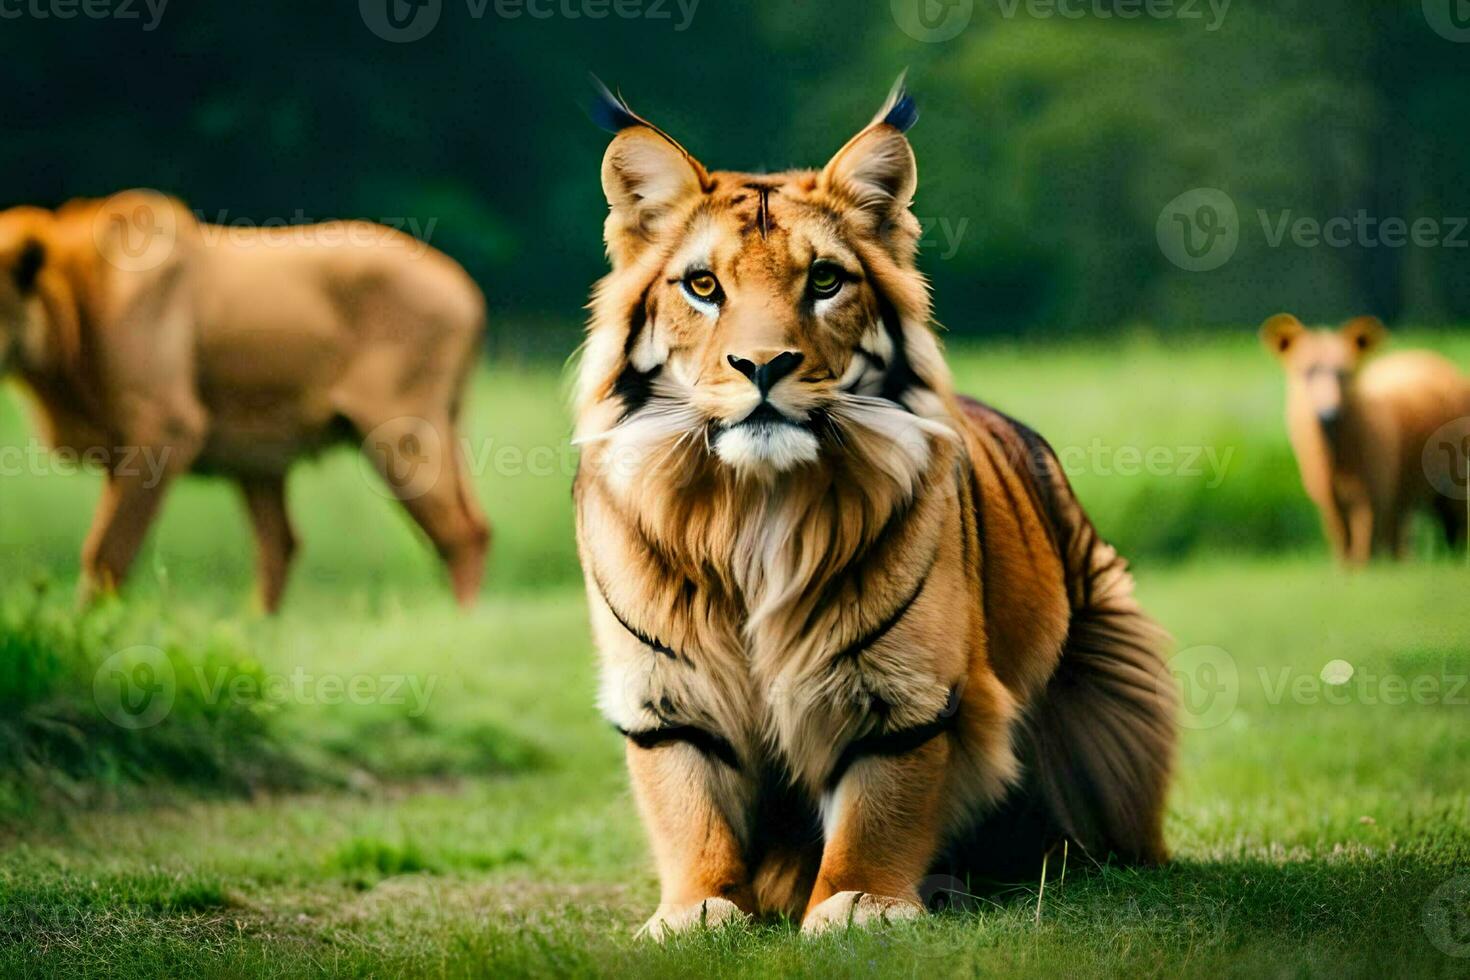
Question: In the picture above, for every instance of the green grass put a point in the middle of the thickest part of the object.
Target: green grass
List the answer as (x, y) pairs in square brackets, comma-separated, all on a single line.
[(483, 825)]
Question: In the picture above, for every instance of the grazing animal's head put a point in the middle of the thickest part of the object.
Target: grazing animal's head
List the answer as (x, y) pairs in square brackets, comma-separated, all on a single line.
[(762, 324), (22, 259), (1321, 364)]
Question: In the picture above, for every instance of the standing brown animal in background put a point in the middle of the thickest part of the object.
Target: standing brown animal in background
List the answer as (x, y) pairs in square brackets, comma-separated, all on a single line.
[(857, 630), (144, 334), (1360, 431)]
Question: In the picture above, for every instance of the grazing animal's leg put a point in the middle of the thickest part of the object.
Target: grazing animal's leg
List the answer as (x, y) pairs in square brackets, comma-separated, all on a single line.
[(426, 472), (1334, 526), (1388, 528), (1360, 531), (1453, 519), (473, 517), (701, 865), (884, 822), (275, 544), (124, 514), (119, 525), (133, 493)]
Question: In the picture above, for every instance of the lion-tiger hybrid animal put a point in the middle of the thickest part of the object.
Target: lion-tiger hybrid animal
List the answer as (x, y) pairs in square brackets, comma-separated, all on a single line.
[(144, 334), (1359, 427), (857, 630)]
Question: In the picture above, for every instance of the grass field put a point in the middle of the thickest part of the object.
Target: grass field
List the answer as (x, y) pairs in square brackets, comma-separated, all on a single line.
[(374, 784)]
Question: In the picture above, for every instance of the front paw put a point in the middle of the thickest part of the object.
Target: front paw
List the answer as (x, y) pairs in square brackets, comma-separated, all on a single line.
[(711, 913), (858, 909)]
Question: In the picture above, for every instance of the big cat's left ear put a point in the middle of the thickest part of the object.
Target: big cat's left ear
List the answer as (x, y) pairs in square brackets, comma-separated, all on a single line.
[(876, 170), (646, 176)]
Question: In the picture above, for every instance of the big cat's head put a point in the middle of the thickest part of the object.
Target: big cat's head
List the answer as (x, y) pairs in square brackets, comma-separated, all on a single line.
[(762, 322)]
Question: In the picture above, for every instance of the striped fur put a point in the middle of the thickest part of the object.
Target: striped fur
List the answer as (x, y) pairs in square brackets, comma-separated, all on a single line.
[(851, 623)]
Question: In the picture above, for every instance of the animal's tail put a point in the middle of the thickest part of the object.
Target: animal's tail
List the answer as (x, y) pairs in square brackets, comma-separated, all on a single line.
[(1098, 746)]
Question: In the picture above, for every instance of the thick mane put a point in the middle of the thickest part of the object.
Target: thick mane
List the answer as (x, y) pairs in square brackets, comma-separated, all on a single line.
[(64, 282)]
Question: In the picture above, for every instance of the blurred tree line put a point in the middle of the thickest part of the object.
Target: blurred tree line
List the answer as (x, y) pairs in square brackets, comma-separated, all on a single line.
[(1047, 144)]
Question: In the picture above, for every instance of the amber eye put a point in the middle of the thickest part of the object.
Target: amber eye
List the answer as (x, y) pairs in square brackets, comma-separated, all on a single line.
[(703, 285), (825, 280)]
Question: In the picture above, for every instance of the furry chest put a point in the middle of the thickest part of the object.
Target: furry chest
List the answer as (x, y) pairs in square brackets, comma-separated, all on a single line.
[(798, 709)]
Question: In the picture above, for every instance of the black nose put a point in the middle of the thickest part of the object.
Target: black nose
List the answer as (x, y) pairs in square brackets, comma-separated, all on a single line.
[(766, 375), (1328, 418)]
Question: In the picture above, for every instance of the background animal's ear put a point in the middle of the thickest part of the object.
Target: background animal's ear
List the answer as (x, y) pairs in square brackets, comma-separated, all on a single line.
[(876, 170), (1280, 332), (646, 175), (26, 265), (1364, 333)]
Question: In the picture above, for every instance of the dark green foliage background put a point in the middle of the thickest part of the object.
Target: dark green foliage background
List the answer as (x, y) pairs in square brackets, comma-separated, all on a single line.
[(1050, 144)]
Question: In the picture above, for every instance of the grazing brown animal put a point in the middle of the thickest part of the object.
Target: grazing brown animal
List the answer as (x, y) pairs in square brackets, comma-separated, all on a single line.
[(146, 335), (1360, 429), (856, 629)]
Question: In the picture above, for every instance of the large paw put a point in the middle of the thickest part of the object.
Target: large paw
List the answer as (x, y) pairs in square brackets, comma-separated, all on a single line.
[(670, 920), (858, 909)]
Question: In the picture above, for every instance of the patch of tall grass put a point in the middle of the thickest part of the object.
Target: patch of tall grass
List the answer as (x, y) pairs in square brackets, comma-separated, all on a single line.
[(125, 700)]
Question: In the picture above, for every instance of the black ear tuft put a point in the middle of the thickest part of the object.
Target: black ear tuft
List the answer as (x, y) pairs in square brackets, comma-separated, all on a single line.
[(28, 264), (609, 111), (904, 112)]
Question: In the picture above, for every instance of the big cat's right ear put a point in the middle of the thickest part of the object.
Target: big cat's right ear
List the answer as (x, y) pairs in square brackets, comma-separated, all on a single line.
[(876, 170), (646, 176), (1280, 332)]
